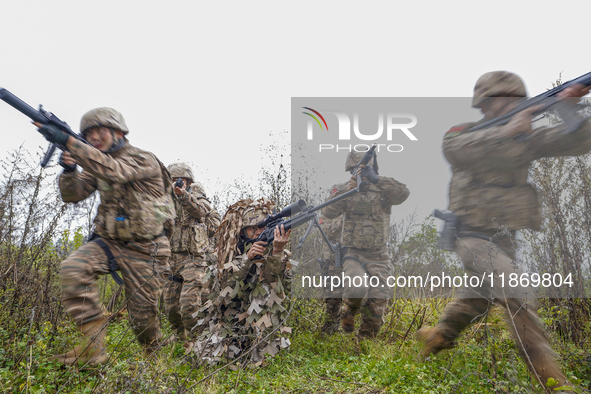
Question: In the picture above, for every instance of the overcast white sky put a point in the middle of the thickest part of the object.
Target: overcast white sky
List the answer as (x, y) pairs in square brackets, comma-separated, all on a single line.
[(206, 82)]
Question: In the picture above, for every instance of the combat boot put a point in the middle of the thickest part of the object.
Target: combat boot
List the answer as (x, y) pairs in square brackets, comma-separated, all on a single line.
[(333, 316), (546, 367), (372, 319), (554, 372), (433, 340), (91, 350), (348, 322), (367, 331)]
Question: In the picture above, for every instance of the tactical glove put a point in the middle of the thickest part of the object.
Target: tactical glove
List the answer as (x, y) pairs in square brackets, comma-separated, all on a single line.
[(369, 173), (67, 167), (53, 134)]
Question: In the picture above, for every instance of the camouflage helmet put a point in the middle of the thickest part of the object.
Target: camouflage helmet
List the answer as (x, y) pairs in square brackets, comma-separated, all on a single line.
[(242, 214), (497, 84), (103, 117), (252, 216), (181, 170), (353, 158)]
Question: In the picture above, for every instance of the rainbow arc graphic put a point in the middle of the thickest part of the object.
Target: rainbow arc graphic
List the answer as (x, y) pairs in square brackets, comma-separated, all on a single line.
[(315, 118)]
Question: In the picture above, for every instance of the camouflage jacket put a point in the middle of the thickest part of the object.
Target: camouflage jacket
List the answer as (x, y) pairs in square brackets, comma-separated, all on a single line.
[(366, 215), (195, 225), (135, 191), (489, 183), (247, 307), (332, 227)]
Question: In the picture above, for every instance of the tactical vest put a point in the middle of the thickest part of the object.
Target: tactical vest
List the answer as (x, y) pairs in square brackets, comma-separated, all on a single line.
[(366, 222), (485, 196), (190, 234), (131, 212)]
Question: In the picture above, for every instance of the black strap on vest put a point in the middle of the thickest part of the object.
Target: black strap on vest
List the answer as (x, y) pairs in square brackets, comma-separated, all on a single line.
[(176, 279), (112, 262)]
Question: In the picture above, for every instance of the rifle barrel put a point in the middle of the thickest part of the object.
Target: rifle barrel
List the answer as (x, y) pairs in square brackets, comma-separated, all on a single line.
[(539, 99), (21, 106)]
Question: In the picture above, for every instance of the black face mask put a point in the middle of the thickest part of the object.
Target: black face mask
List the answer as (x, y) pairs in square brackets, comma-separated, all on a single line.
[(117, 146)]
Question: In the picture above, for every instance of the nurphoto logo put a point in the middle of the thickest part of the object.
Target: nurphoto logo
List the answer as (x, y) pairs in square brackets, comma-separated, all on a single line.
[(394, 124)]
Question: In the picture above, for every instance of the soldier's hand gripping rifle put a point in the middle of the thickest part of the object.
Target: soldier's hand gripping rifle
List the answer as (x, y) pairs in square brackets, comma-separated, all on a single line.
[(44, 117), (548, 101), (307, 213), (371, 173)]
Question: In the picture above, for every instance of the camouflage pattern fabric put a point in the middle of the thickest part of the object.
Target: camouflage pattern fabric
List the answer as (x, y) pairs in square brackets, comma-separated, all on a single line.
[(497, 83), (481, 257), (210, 222), (370, 300), (103, 117), (135, 190), (489, 190), (142, 266), (247, 308), (182, 300), (190, 234), (365, 230), (333, 299), (136, 208), (489, 182), (191, 241), (367, 214), (183, 170)]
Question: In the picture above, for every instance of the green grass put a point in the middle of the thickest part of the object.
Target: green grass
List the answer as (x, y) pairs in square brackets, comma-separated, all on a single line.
[(484, 362)]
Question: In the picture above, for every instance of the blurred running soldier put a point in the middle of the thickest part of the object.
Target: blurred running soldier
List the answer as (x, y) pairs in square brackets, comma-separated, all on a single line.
[(488, 191)]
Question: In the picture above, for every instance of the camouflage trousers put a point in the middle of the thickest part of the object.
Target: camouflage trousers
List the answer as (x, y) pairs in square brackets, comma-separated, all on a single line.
[(364, 278), (182, 300), (332, 298), (142, 266), (482, 257)]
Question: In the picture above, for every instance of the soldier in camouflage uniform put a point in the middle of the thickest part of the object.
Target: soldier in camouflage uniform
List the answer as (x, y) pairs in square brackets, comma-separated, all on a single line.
[(135, 212), (249, 286), (365, 230), (195, 226), (488, 191), (333, 299)]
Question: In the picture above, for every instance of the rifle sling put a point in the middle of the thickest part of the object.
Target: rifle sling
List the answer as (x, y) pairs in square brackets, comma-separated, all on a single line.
[(112, 262)]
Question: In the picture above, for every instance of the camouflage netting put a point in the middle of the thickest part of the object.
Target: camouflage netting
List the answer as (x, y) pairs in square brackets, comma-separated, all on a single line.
[(246, 310)]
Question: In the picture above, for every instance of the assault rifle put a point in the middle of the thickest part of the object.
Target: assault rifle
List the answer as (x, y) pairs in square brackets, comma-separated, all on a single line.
[(549, 102), (41, 116), (307, 213)]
